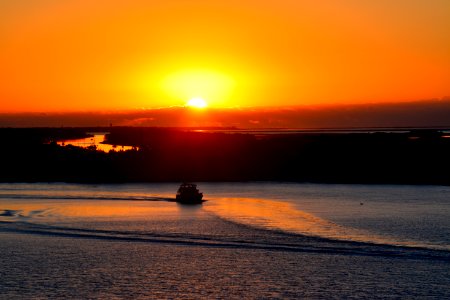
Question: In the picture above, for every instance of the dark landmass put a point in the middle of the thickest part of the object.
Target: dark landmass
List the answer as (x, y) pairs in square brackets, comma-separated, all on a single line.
[(165, 154)]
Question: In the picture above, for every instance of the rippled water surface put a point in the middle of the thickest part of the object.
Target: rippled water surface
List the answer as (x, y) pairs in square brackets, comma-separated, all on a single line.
[(251, 240)]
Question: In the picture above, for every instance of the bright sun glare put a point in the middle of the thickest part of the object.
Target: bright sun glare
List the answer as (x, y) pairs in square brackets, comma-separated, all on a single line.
[(197, 103), (193, 86)]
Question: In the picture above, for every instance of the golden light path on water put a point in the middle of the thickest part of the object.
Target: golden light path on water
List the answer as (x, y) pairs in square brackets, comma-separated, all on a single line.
[(283, 216), (54, 210)]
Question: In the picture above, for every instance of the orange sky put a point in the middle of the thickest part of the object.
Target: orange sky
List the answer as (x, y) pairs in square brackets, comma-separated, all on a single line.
[(83, 55)]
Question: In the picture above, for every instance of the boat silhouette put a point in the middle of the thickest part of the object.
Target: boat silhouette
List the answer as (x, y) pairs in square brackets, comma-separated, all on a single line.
[(188, 193)]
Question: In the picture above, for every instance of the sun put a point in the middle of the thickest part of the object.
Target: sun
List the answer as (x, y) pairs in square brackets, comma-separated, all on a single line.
[(197, 103)]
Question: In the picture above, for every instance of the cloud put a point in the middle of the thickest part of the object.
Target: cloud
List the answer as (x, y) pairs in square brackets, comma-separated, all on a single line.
[(434, 113)]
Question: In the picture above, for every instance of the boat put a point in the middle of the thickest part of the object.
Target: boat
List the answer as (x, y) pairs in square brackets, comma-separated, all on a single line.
[(188, 193)]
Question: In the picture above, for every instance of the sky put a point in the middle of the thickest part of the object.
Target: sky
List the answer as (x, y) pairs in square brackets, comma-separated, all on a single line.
[(114, 55)]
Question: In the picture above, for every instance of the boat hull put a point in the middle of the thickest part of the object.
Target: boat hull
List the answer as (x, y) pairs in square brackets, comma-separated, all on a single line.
[(189, 200)]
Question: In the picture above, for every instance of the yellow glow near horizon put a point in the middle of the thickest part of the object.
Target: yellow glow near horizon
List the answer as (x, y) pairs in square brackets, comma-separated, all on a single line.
[(197, 102), (214, 86)]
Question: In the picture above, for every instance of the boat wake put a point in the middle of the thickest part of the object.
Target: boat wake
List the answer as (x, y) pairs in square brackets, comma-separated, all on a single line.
[(21, 213), (85, 197), (292, 243)]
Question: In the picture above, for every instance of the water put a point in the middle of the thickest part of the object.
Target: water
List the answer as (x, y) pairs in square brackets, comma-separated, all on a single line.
[(97, 140), (249, 240)]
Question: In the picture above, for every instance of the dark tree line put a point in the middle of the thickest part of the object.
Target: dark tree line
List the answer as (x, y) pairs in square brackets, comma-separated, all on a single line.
[(418, 157)]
